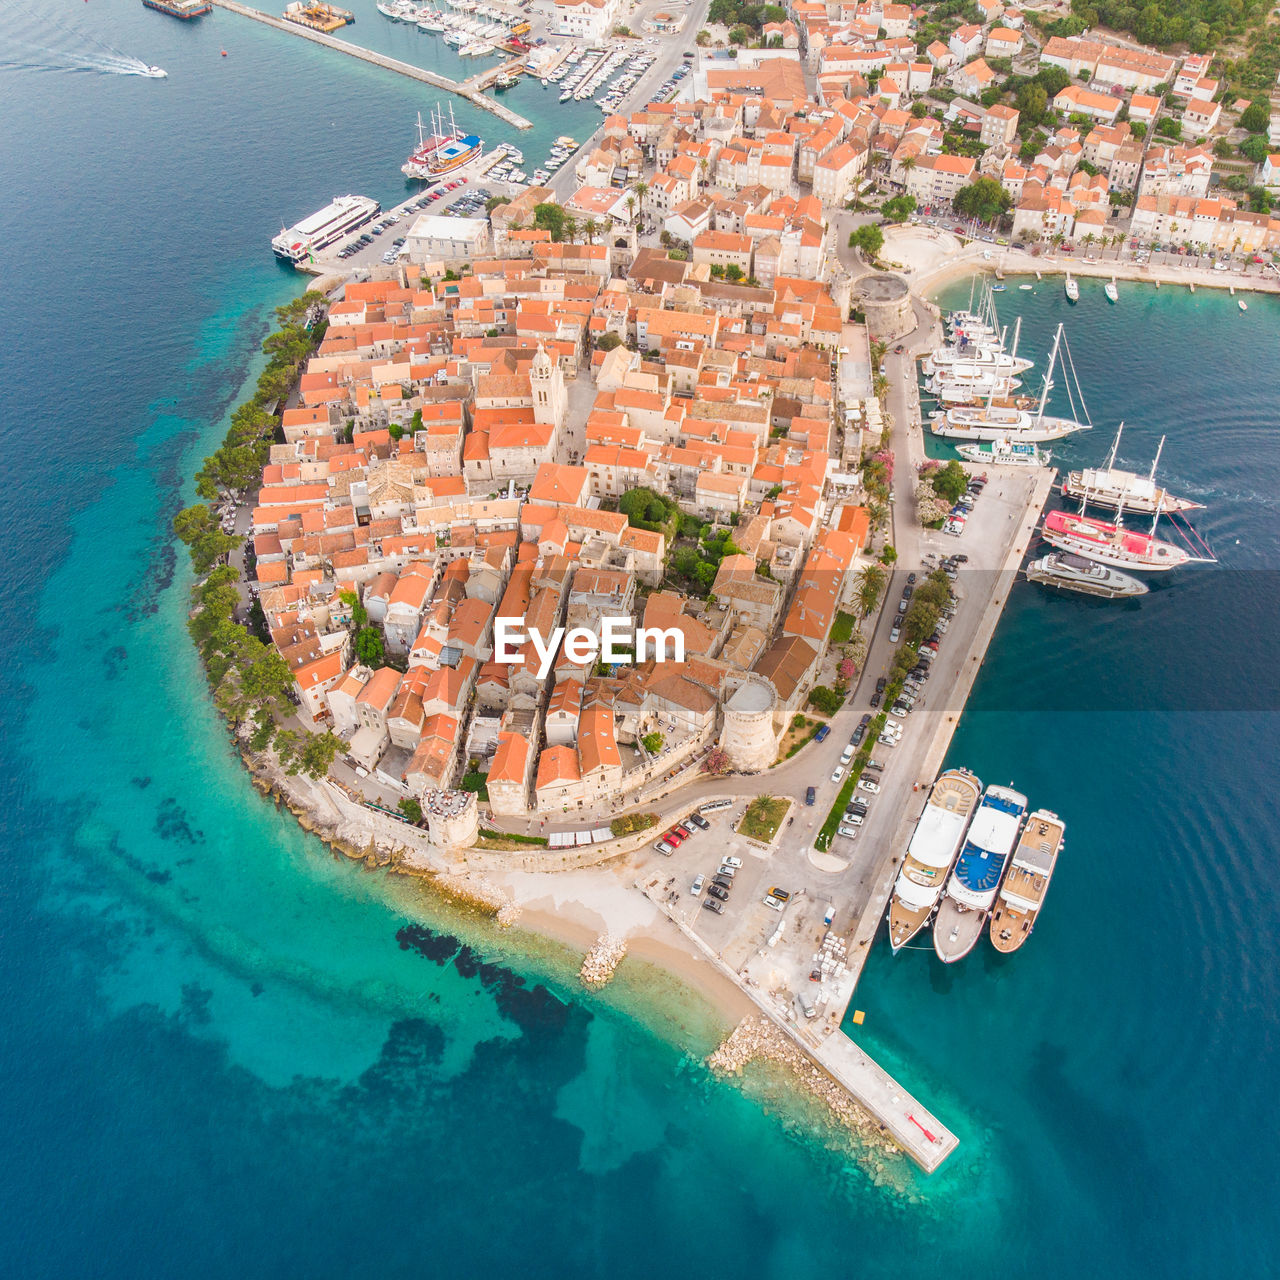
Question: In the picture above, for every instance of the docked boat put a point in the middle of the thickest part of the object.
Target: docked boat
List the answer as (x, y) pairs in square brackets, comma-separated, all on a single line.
[(1072, 289), (972, 887), (441, 149), (1115, 489), (1027, 881), (183, 9), (1110, 289), (1113, 544), (340, 217), (930, 854), (967, 390), (1242, 304), (997, 422), (1005, 453), (1068, 572)]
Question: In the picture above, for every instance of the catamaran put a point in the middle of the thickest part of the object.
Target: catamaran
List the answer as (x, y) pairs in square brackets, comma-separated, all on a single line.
[(1027, 880), (932, 850), (1113, 488), (971, 890)]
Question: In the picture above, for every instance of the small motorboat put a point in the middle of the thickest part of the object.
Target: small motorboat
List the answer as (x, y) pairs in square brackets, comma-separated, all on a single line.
[(1113, 294), (1072, 289), (1242, 304)]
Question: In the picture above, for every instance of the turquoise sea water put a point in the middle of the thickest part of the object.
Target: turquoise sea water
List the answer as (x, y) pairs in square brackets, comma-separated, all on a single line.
[(218, 1056)]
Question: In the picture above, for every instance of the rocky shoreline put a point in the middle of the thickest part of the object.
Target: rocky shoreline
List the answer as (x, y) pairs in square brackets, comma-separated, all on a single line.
[(600, 962), (757, 1039)]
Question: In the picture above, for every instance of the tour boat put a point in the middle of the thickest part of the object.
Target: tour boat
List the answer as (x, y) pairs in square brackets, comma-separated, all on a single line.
[(972, 887), (997, 422), (1113, 544), (1115, 489), (1006, 453), (442, 150), (1113, 293), (1027, 881), (1070, 572), (930, 854)]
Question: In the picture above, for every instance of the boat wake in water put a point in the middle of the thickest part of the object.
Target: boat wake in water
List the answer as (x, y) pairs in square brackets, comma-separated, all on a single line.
[(44, 43)]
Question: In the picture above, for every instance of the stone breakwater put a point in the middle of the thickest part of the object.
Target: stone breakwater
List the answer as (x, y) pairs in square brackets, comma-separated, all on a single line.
[(600, 962), (758, 1039)]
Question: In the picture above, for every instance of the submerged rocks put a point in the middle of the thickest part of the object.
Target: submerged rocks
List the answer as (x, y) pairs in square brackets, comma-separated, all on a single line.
[(759, 1038)]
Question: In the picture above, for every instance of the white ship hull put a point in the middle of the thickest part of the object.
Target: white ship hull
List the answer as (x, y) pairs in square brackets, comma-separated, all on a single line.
[(1158, 561), (1114, 490), (1068, 572), (1028, 430)]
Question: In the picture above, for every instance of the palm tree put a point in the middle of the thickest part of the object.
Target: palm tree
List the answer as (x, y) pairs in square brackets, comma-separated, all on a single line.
[(589, 229), (631, 207), (870, 584), (571, 229)]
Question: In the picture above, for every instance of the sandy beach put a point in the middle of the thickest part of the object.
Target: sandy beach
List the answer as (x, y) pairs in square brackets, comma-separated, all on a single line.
[(932, 258)]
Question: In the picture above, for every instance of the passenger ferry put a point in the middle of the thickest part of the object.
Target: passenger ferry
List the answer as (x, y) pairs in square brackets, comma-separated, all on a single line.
[(338, 218), (973, 885), (933, 848), (1027, 880)]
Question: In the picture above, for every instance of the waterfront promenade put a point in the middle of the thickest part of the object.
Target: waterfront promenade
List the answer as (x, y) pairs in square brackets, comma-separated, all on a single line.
[(468, 89)]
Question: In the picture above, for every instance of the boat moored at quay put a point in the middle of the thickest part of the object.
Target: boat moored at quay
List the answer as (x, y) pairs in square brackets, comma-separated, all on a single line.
[(1113, 544), (972, 887), (183, 9), (1070, 572), (1026, 882), (338, 218), (1114, 489), (930, 854)]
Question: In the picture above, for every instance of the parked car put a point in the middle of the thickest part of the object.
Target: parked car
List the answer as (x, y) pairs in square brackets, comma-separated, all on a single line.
[(699, 821), (696, 887), (731, 861), (810, 795), (723, 881), (837, 773), (726, 870), (674, 836), (770, 901), (664, 848), (867, 785), (849, 833), (895, 634), (854, 819), (781, 894), (710, 904), (717, 892), (821, 735)]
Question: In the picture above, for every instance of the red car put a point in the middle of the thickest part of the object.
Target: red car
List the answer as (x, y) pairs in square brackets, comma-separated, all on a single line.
[(1257, 259), (675, 836)]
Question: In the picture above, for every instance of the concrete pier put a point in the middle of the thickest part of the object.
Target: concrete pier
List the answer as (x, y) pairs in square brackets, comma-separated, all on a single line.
[(462, 89), (911, 1125)]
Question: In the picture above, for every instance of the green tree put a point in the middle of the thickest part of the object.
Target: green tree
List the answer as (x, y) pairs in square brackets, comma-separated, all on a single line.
[(607, 342), (733, 272), (1032, 102), (653, 743), (827, 701), (951, 481), (898, 208), (871, 583), (550, 217), (1256, 116), (410, 809), (1255, 148), (984, 199), (198, 528), (868, 240), (369, 646)]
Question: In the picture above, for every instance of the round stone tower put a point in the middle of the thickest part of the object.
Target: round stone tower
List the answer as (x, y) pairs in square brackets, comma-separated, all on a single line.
[(748, 734), (885, 300)]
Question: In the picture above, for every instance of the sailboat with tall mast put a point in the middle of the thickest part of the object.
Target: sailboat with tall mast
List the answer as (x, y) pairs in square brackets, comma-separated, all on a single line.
[(1113, 488), (999, 422), (1108, 542)]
